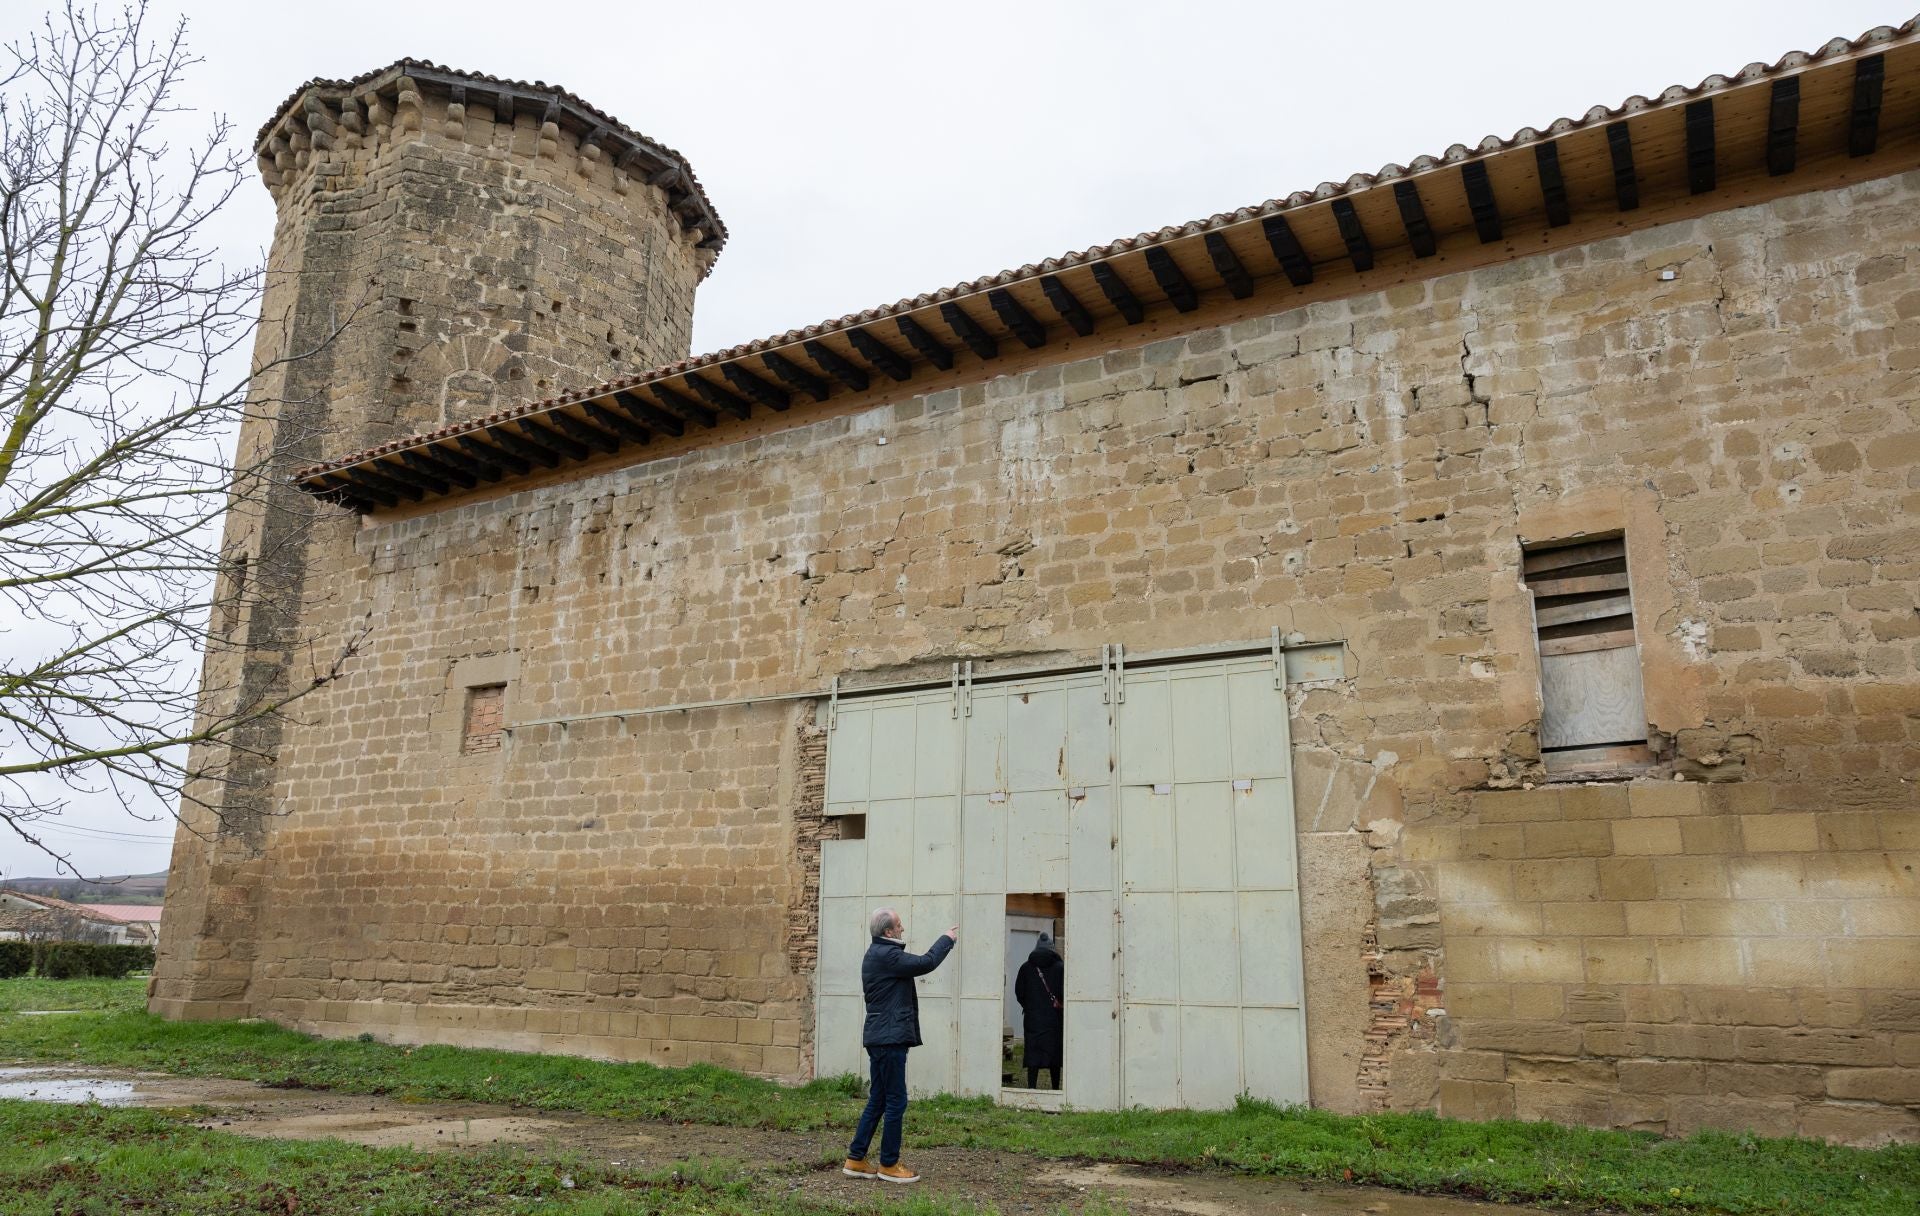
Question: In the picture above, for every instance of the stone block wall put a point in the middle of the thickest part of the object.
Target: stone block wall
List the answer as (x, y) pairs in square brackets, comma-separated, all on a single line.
[(1672, 955), (1365, 470)]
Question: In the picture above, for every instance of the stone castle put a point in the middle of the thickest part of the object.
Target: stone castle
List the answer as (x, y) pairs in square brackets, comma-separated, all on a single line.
[(1452, 635)]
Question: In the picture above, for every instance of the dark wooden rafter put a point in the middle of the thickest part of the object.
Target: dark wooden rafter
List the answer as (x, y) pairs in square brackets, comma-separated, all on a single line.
[(619, 422), (426, 460), (416, 472), (1553, 187), (527, 449), (1293, 259), (1227, 264), (567, 448), (354, 495), (486, 453), (448, 454), (796, 377), (719, 398), (1626, 185), (888, 361), (1783, 125), (1118, 293), (590, 437), (650, 415), (1413, 217), (844, 370), (931, 348), (968, 330), (770, 395), (367, 474), (1353, 233), (683, 406), (1068, 305), (1016, 318), (1699, 126), (1173, 280), (1863, 121), (1486, 212)]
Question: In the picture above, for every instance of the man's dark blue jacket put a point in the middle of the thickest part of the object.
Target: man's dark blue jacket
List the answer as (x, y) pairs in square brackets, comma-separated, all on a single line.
[(893, 1004)]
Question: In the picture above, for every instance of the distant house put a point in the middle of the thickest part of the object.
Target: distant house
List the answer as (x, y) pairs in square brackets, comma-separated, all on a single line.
[(26, 917)]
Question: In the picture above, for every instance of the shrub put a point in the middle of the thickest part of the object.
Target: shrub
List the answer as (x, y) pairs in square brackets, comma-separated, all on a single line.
[(16, 958), (81, 960)]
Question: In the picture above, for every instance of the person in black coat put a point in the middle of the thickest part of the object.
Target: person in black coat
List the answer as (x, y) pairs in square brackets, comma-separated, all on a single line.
[(1040, 986), (892, 1027)]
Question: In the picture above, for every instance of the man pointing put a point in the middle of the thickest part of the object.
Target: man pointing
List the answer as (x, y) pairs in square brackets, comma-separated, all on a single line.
[(893, 1026)]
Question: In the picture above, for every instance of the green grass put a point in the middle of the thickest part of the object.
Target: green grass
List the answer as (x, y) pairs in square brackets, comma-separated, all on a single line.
[(1534, 1162), (66, 1160), (127, 995)]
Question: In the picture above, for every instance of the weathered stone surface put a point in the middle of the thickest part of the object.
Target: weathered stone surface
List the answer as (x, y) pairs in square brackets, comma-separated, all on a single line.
[(1729, 950)]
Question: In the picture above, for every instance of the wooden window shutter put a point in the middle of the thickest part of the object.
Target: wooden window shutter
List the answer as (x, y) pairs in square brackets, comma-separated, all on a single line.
[(1592, 708)]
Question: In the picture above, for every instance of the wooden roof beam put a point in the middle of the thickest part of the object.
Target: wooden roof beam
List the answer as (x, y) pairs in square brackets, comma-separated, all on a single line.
[(1413, 217), (1227, 264), (968, 330), (486, 454), (1015, 317), (446, 454), (1783, 125), (770, 395), (1486, 212), (587, 437), (796, 377), (408, 473), (1068, 305), (1626, 186), (620, 424), (426, 463), (366, 474), (891, 362), (845, 371), (1118, 293), (1172, 280), (1699, 126), (1287, 251), (1354, 234), (719, 398), (683, 406), (650, 415), (529, 450), (340, 485), (1863, 121), (560, 445), (1553, 186), (931, 348)]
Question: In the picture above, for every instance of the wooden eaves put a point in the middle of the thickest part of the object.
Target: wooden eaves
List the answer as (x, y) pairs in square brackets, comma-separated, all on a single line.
[(1848, 112)]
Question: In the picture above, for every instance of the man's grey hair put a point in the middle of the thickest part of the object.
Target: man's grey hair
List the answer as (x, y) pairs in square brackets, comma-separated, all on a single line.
[(882, 920)]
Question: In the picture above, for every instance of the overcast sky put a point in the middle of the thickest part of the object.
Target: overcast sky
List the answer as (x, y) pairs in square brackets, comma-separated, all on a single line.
[(860, 153)]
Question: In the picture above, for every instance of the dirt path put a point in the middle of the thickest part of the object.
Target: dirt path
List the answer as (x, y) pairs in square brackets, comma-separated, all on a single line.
[(807, 1164)]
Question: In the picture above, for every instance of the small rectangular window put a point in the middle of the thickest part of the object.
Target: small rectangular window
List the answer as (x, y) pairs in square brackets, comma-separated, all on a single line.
[(1592, 710), (486, 719)]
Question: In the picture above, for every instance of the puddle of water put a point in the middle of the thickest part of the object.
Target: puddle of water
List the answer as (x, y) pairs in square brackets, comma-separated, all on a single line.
[(31, 1086)]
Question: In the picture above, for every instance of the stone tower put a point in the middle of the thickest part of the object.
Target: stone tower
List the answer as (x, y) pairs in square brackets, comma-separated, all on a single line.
[(447, 244)]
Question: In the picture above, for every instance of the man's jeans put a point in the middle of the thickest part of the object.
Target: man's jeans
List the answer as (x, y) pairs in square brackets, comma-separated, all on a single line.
[(888, 1093)]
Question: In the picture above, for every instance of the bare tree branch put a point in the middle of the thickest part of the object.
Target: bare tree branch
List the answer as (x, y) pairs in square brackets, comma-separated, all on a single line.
[(122, 388)]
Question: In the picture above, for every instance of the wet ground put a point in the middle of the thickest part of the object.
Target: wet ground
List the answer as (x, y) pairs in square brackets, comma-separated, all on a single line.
[(806, 1164)]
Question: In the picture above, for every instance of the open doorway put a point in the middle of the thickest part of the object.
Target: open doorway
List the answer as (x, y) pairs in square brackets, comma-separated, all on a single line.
[(1033, 1022)]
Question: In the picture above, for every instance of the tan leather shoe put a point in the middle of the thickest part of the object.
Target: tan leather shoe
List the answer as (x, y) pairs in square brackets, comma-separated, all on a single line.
[(860, 1167), (898, 1173)]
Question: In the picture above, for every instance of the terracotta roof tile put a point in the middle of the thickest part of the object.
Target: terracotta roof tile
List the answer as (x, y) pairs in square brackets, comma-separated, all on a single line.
[(1596, 116)]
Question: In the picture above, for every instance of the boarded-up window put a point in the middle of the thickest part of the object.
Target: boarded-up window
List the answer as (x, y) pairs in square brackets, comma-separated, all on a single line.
[(1592, 711), (486, 719)]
